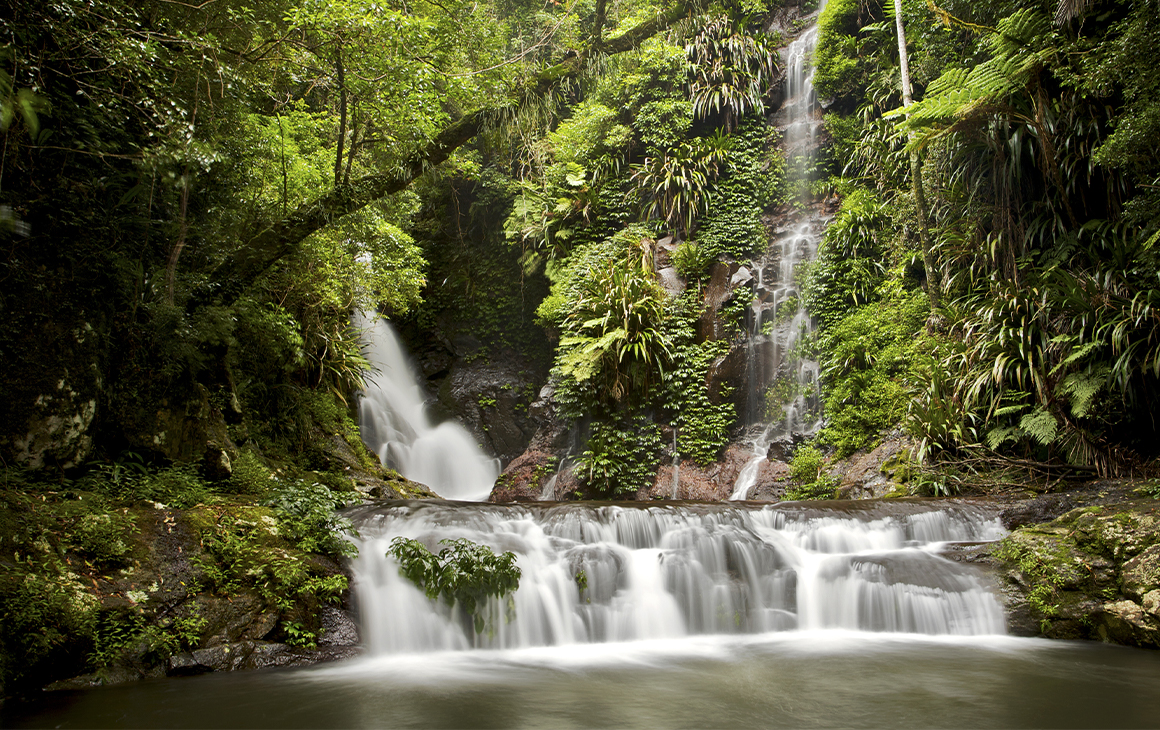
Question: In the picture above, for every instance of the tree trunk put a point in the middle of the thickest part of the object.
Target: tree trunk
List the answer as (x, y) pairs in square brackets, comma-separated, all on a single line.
[(341, 115), (255, 256), (933, 280)]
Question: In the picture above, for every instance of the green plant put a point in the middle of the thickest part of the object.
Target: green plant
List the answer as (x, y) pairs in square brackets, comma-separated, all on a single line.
[(613, 334), (676, 184), (807, 467), (249, 475), (306, 517), (702, 424), (732, 69), (463, 573), (870, 359), (691, 260), (1151, 488), (299, 635), (621, 455)]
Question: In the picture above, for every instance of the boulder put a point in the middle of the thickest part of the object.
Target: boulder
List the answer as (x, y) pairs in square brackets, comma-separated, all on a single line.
[(1126, 622), (1141, 574), (524, 479), (868, 475)]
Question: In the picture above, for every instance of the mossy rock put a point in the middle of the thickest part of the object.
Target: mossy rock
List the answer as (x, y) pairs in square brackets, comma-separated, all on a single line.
[(1120, 536)]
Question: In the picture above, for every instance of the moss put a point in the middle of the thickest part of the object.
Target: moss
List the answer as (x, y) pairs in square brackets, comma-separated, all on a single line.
[(92, 575)]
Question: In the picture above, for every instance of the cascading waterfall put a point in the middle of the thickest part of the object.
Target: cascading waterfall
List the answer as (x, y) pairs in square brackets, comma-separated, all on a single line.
[(600, 573), (394, 424), (778, 321)]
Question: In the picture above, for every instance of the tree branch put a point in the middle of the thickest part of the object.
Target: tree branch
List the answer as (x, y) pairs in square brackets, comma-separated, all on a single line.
[(282, 238)]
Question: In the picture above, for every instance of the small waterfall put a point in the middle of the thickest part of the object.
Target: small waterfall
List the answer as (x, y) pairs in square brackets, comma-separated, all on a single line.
[(598, 573), (778, 321), (394, 424)]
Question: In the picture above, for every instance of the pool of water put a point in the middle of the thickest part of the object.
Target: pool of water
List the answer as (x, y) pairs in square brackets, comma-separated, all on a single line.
[(796, 679)]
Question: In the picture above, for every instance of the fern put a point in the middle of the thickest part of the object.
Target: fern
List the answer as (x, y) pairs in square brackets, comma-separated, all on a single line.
[(1040, 425), (1081, 390)]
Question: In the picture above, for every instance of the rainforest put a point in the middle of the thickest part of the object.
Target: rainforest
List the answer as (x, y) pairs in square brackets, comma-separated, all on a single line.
[(463, 363)]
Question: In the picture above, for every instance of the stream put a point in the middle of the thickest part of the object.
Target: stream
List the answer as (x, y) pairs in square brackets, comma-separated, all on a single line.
[(689, 615)]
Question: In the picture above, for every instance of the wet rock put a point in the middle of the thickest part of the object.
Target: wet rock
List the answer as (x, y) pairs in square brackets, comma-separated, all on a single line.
[(1141, 574), (714, 482), (717, 292), (491, 396), (782, 448), (871, 475), (1126, 622), (523, 480), (727, 378), (184, 665), (773, 480), (338, 628), (1044, 508)]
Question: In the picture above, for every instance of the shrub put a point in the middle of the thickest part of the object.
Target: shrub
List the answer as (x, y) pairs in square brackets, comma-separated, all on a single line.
[(464, 573), (621, 456)]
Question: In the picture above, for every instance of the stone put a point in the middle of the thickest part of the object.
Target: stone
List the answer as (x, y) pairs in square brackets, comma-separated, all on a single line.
[(216, 463), (727, 376), (717, 292), (1120, 536), (52, 380), (864, 475), (671, 281), (338, 628), (524, 478), (773, 480), (1141, 574), (1151, 602), (1125, 622), (741, 277), (183, 665), (1034, 511), (782, 448)]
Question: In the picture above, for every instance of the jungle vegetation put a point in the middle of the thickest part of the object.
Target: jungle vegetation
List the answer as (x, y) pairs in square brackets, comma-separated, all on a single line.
[(194, 197)]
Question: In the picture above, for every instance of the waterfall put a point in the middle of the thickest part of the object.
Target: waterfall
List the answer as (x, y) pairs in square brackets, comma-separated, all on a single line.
[(394, 424), (778, 321), (599, 573)]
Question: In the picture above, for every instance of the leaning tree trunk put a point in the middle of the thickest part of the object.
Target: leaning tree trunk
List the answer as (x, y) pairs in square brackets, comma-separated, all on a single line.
[(267, 247)]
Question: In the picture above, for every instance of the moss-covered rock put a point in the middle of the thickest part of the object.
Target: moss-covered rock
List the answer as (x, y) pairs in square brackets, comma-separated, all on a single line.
[(1090, 573), (102, 581)]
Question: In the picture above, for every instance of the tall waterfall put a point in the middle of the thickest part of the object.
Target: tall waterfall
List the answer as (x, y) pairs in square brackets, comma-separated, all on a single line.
[(394, 424), (599, 573), (778, 321)]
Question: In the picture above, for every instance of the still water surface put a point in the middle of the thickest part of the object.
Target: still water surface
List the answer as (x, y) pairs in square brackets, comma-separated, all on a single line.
[(798, 679)]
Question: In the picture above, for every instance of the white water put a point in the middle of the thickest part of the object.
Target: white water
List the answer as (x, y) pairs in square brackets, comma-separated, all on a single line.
[(394, 424), (773, 356), (678, 571)]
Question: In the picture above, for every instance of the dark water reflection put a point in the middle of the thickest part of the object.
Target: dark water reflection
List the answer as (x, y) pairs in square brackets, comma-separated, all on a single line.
[(822, 679)]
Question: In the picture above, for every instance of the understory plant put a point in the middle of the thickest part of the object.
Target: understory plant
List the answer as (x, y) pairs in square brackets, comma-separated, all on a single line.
[(464, 574)]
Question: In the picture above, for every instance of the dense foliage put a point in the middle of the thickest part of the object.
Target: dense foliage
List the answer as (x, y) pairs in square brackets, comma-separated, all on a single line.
[(464, 573), (1041, 220)]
